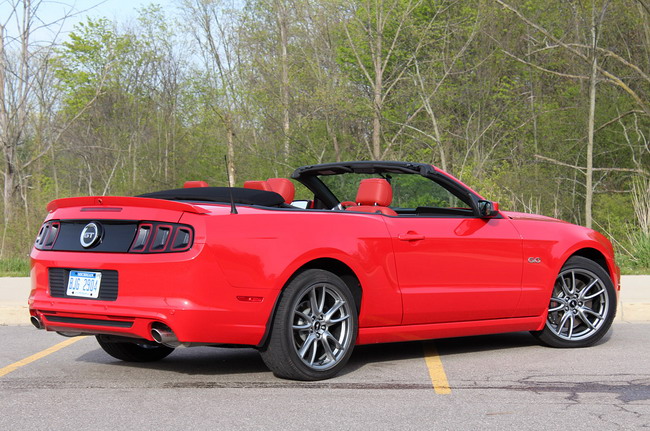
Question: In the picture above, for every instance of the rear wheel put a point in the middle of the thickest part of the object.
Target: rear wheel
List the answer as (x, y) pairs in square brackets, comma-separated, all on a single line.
[(314, 329), (144, 351), (582, 306)]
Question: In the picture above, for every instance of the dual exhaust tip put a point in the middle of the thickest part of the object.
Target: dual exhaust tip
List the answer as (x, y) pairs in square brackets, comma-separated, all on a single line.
[(36, 322), (161, 334)]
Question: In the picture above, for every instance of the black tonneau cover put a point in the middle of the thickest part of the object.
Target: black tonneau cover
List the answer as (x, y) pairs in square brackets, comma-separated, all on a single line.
[(221, 195)]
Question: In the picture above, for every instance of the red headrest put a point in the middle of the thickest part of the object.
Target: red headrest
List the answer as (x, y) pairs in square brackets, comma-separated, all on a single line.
[(257, 185), (374, 191), (192, 184), (283, 187)]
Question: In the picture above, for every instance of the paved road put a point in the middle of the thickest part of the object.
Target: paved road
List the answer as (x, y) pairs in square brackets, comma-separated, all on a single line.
[(497, 382)]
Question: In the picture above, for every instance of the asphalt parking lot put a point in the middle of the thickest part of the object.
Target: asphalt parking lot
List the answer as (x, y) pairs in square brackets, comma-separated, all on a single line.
[(495, 382)]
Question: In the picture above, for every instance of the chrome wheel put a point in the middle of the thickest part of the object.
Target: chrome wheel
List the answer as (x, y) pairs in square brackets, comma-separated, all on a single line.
[(579, 305), (321, 328), (314, 328), (582, 305)]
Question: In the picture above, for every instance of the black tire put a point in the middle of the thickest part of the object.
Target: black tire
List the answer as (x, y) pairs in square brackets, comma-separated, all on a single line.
[(314, 328), (582, 305), (144, 351)]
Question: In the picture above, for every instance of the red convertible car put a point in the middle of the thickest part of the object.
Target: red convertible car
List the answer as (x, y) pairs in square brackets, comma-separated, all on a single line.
[(382, 252)]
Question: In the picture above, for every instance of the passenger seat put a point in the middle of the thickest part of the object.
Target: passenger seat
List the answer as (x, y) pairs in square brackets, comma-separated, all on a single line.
[(374, 196)]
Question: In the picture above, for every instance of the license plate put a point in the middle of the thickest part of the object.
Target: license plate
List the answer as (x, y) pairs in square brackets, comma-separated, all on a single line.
[(84, 284)]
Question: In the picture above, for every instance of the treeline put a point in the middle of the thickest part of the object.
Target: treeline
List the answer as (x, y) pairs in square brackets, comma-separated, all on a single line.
[(542, 105)]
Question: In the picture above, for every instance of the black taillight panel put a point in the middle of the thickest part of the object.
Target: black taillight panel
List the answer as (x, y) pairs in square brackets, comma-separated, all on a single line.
[(117, 236)]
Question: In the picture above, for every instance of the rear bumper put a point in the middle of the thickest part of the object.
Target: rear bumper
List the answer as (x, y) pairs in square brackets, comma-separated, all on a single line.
[(185, 291)]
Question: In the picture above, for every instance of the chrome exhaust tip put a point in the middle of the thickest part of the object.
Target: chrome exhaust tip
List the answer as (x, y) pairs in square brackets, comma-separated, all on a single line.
[(36, 322), (165, 336)]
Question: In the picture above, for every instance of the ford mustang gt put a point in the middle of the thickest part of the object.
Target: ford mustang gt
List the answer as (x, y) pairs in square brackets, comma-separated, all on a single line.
[(381, 252)]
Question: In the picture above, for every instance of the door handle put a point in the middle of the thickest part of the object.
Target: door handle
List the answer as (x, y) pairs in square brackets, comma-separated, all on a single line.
[(410, 236)]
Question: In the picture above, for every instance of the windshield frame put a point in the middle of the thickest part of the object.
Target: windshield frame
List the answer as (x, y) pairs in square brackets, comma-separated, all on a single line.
[(310, 175)]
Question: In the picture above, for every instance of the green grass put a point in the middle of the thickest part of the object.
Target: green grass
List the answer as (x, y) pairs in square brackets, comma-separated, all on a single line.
[(14, 267), (634, 271), (637, 262)]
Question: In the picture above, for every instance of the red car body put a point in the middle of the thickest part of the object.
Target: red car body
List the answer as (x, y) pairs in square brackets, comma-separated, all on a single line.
[(416, 277)]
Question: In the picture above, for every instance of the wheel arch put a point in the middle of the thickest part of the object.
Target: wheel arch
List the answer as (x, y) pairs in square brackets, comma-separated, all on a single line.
[(592, 254), (597, 257), (336, 267)]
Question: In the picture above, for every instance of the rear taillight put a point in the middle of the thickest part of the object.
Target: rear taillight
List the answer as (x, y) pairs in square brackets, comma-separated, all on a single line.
[(47, 235), (154, 237), (118, 237)]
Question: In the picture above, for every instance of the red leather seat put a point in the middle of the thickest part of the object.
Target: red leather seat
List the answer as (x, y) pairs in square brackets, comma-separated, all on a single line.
[(192, 184), (374, 196), (283, 187), (257, 185)]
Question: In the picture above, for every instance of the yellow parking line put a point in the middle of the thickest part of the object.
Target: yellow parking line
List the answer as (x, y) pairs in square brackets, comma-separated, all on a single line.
[(436, 370), (35, 357)]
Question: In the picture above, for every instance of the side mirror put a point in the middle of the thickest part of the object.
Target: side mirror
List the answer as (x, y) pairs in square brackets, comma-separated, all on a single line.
[(488, 209)]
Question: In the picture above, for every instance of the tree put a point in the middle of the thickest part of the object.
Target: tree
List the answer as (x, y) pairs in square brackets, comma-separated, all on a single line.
[(383, 38), (589, 53), (24, 73)]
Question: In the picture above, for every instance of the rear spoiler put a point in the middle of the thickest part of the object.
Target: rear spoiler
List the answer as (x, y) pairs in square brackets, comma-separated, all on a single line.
[(106, 202)]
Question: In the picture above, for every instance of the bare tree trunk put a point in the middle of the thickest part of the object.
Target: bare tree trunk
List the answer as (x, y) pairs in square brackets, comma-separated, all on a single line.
[(335, 140), (55, 173), (281, 12), (4, 123), (230, 135), (441, 148), (377, 99), (592, 112), (645, 17)]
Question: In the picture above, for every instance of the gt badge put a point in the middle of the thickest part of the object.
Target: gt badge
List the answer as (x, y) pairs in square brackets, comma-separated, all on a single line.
[(91, 235), (534, 260)]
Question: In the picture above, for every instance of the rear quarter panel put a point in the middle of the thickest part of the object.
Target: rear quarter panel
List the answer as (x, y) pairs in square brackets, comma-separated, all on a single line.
[(262, 249)]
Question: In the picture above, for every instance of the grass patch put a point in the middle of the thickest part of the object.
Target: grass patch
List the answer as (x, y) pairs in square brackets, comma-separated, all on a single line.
[(637, 261), (14, 267)]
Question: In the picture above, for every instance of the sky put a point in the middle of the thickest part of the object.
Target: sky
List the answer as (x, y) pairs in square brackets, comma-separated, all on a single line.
[(51, 11)]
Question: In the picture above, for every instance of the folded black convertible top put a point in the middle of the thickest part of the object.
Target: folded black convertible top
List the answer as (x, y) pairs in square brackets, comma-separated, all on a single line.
[(221, 195)]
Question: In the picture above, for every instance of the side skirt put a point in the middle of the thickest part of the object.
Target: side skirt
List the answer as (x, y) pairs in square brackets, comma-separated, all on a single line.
[(392, 334)]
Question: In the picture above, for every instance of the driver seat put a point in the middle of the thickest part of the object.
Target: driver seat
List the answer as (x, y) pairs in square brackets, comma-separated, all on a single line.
[(374, 196)]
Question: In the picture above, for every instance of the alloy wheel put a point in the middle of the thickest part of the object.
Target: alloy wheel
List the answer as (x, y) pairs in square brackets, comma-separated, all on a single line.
[(579, 305), (321, 327)]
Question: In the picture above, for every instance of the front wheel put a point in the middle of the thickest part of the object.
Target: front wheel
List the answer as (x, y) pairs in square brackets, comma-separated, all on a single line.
[(582, 306), (145, 351), (314, 329)]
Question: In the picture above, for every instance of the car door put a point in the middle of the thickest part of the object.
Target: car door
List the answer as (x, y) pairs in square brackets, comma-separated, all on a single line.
[(453, 266)]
